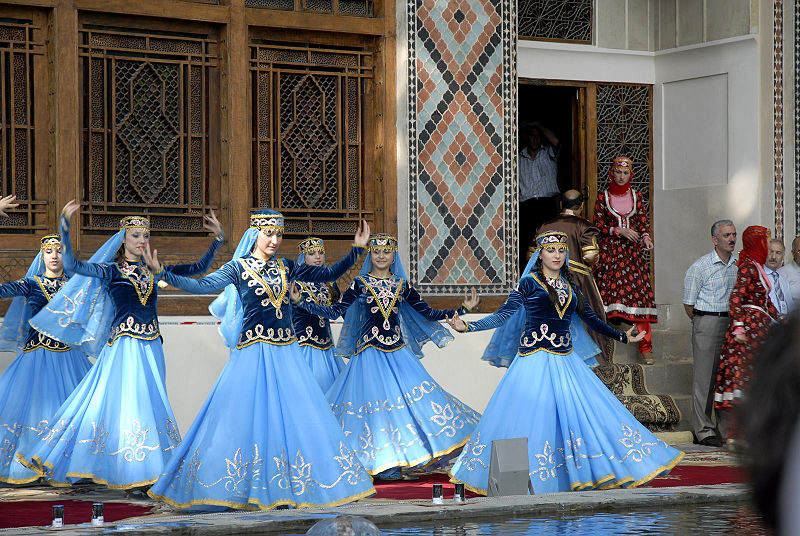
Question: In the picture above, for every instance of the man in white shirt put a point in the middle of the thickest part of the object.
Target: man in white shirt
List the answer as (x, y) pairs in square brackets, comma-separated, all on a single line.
[(791, 271), (780, 295)]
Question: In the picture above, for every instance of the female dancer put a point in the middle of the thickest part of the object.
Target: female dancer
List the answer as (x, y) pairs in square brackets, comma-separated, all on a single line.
[(392, 411), (265, 435), (117, 426), (579, 435), (751, 312), (44, 373), (314, 332), (622, 273)]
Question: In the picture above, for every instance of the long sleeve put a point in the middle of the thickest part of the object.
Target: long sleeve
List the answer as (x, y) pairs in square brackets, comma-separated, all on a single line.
[(641, 221), (740, 295), (323, 274), (332, 312), (600, 220), (71, 264), (412, 297), (588, 242), (593, 321), (11, 289), (213, 282), (198, 267), (514, 302)]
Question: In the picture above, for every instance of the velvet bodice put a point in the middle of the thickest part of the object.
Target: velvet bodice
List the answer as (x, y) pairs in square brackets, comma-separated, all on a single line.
[(37, 291), (262, 286), (313, 330), (382, 297), (546, 326)]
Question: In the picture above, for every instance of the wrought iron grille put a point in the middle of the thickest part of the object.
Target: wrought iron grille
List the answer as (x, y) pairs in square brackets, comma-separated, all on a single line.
[(147, 119), (21, 51), (361, 8), (309, 135), (562, 20)]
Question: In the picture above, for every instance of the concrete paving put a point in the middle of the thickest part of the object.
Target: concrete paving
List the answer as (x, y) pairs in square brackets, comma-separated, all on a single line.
[(386, 513)]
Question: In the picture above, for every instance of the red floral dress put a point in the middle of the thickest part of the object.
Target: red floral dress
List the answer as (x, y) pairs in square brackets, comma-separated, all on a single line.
[(622, 273), (751, 310)]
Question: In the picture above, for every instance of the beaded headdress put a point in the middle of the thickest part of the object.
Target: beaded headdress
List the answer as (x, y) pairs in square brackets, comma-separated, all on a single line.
[(552, 238), (312, 244), (622, 162), (382, 241), (134, 222), (267, 220), (51, 240)]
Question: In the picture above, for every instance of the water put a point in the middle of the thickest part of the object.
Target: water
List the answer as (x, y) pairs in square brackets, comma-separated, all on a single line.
[(710, 519)]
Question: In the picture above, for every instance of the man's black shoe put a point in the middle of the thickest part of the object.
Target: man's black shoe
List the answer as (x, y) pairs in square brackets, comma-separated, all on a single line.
[(711, 441)]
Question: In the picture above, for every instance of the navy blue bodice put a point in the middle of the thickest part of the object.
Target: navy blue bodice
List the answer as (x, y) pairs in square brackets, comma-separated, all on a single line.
[(546, 326), (262, 286), (37, 291), (133, 288), (313, 330), (383, 297)]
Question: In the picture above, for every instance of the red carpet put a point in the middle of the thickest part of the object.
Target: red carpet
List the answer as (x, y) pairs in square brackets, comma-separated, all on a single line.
[(416, 489), (35, 513)]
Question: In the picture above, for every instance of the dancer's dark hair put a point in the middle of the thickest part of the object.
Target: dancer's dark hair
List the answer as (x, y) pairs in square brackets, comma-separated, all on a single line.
[(768, 416)]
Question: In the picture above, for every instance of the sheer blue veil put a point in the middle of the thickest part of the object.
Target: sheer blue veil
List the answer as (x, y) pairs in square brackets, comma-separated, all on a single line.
[(415, 329), (14, 330), (503, 346), (80, 314), (227, 307)]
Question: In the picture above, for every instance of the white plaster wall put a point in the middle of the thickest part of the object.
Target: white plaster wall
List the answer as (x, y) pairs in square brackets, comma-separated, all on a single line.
[(195, 356)]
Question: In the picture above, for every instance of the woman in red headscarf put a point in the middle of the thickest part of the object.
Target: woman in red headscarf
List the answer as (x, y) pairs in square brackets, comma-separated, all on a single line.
[(623, 273), (751, 312)]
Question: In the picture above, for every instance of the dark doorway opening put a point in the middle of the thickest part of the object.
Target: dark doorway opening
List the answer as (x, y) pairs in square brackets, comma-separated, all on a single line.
[(559, 107)]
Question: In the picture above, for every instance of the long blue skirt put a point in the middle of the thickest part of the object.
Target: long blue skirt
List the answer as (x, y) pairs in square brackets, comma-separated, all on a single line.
[(264, 437), (394, 413), (117, 426), (324, 365), (31, 389), (579, 435)]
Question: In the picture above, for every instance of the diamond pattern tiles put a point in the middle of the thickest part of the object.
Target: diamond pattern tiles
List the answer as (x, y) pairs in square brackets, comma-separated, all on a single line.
[(777, 84), (462, 161)]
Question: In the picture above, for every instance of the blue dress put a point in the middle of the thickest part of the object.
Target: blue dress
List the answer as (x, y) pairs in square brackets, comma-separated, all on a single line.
[(36, 383), (392, 411), (117, 427), (579, 435), (314, 333), (265, 435)]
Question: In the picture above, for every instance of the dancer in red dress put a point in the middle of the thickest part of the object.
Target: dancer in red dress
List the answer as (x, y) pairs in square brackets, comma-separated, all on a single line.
[(751, 312), (622, 273)]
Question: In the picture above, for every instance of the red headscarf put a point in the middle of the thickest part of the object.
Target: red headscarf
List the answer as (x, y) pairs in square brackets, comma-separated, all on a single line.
[(754, 244), (620, 162)]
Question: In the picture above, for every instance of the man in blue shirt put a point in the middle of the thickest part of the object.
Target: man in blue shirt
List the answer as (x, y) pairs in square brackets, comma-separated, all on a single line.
[(706, 290)]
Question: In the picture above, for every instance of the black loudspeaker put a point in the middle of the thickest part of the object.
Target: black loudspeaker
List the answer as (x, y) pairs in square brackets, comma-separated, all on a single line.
[(508, 469)]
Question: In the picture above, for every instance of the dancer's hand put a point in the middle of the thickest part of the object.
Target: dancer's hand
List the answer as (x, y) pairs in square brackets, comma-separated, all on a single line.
[(634, 338), (151, 259), (212, 225), (647, 242), (70, 209), (741, 338), (294, 293), (471, 300), (362, 235), (7, 203), (456, 323), (630, 234)]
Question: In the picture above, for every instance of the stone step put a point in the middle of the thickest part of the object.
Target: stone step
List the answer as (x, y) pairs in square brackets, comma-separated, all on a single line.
[(668, 346), (684, 403)]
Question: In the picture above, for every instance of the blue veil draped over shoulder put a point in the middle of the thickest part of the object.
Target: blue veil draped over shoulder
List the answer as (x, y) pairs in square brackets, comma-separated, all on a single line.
[(15, 324), (80, 314), (502, 348), (415, 329)]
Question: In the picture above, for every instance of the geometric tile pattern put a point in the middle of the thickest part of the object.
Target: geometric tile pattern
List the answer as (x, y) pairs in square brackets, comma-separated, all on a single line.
[(567, 20), (777, 113), (796, 121), (462, 145)]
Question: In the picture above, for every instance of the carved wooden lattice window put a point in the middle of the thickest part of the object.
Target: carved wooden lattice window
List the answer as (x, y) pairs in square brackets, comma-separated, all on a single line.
[(147, 123), (309, 136), (21, 60), (558, 20), (361, 8)]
